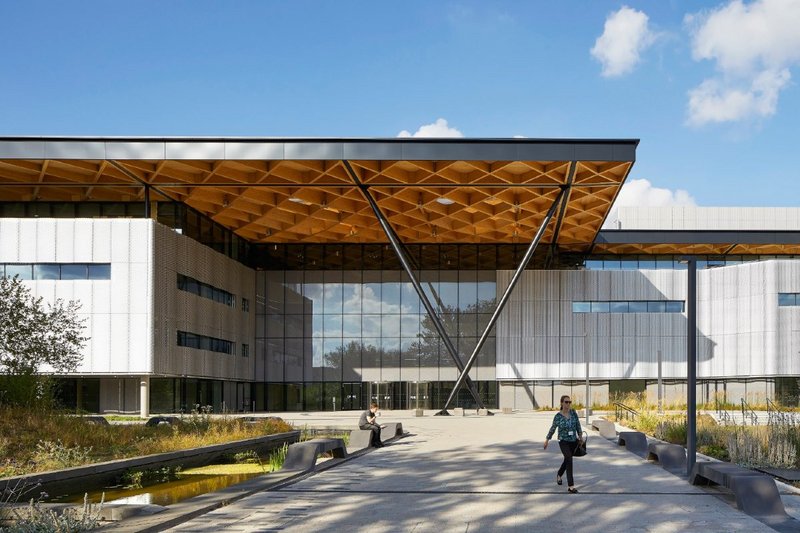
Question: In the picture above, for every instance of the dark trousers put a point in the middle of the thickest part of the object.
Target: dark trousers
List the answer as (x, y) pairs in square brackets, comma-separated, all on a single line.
[(567, 448), (375, 439)]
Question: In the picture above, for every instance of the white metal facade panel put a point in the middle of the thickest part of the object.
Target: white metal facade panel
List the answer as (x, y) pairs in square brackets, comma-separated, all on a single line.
[(708, 218), (115, 310)]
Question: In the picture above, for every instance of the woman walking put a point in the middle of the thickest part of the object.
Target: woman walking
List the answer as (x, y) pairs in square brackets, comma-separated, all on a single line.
[(569, 435)]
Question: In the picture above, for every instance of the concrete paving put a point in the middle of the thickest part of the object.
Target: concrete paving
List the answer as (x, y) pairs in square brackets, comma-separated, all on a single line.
[(481, 474)]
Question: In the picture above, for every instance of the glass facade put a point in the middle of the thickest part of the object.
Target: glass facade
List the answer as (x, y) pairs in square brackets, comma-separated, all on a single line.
[(335, 339)]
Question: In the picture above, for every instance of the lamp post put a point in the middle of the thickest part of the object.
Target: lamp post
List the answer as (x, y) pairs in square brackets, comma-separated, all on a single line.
[(691, 365)]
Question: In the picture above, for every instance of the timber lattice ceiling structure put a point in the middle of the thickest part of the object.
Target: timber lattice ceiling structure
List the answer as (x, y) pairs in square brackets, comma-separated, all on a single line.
[(313, 191)]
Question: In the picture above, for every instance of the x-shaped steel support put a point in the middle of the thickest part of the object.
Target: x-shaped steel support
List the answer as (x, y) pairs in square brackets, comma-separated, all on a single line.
[(404, 260), (503, 299)]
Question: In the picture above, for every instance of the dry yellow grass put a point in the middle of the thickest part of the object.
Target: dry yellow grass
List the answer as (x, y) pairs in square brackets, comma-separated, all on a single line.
[(79, 442)]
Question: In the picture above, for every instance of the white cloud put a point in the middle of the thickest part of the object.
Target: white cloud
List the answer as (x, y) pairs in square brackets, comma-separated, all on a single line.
[(440, 128), (641, 193), (717, 101), (753, 47), (625, 36)]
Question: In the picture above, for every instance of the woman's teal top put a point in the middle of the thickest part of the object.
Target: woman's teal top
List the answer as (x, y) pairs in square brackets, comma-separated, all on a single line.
[(569, 428)]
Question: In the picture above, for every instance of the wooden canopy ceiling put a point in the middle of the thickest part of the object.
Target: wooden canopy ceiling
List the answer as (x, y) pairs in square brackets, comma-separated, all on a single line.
[(428, 197)]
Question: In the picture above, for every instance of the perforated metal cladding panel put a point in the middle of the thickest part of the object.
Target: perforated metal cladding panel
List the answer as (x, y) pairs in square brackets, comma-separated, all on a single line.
[(618, 345), (741, 330), (177, 310), (116, 310)]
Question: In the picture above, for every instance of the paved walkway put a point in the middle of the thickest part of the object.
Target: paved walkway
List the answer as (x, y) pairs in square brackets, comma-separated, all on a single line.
[(481, 474)]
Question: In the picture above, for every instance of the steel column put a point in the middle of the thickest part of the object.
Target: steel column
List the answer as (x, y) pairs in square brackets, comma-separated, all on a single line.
[(146, 201), (398, 249), (691, 366), (503, 299)]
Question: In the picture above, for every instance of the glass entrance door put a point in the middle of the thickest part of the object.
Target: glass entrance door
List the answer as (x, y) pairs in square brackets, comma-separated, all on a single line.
[(381, 392), (352, 396), (418, 395)]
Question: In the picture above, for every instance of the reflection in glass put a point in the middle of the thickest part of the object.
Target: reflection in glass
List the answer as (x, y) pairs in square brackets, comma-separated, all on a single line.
[(351, 326), (619, 307), (410, 299), (674, 307), (333, 326), (333, 297), (409, 325), (390, 325), (351, 299), (44, 271), (22, 271), (448, 290), (371, 325), (371, 352), (637, 307), (467, 291), (74, 272), (390, 298), (100, 271), (317, 325)]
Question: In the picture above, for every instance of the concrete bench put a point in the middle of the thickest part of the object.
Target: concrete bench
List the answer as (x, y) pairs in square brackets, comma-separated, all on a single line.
[(756, 494), (96, 420), (360, 438), (671, 457), (606, 428), (302, 456), (156, 420), (634, 441)]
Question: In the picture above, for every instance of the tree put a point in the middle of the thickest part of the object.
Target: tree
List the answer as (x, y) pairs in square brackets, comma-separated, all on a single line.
[(33, 336)]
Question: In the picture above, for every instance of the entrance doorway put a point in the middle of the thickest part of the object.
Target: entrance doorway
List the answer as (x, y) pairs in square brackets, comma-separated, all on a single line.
[(382, 393), (418, 394)]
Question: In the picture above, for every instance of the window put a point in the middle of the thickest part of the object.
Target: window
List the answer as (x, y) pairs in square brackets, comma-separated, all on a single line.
[(99, 271), (74, 272), (636, 306), (788, 299), (202, 342), (245, 305), (44, 271), (185, 283), (245, 350), (57, 271), (23, 271)]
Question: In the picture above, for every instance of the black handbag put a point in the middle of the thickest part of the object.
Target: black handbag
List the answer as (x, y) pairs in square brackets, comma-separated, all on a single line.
[(580, 449)]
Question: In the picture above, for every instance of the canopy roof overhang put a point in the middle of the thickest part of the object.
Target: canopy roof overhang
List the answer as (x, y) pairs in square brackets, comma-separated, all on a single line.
[(311, 190)]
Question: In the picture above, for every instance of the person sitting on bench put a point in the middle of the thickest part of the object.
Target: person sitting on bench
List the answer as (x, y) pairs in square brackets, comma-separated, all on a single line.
[(367, 421)]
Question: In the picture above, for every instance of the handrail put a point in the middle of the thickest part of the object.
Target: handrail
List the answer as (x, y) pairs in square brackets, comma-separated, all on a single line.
[(723, 416), (623, 411), (778, 416), (747, 411)]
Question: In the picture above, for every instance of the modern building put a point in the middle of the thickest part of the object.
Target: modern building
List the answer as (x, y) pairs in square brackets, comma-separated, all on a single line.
[(317, 274)]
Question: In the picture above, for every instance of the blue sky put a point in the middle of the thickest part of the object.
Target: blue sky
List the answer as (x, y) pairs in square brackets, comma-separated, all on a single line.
[(708, 87)]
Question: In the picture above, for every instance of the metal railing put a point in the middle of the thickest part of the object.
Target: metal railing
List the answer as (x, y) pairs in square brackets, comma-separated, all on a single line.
[(723, 416), (622, 411), (747, 412), (778, 417)]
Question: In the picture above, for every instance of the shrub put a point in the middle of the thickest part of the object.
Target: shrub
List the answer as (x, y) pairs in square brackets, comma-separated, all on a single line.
[(56, 454), (35, 519)]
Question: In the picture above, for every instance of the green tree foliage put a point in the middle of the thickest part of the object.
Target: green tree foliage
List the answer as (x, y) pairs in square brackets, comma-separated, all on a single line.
[(35, 337)]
